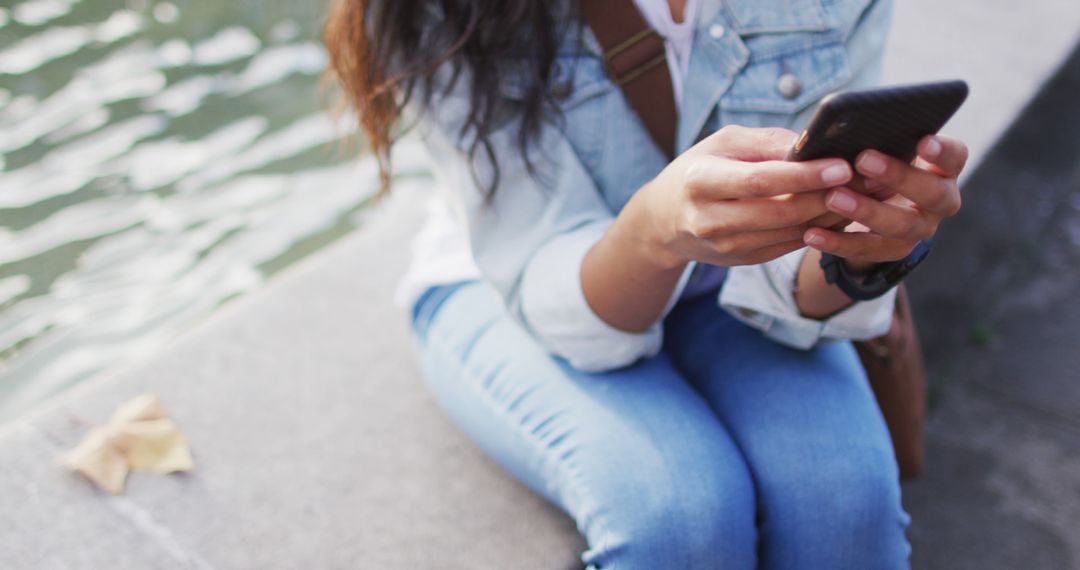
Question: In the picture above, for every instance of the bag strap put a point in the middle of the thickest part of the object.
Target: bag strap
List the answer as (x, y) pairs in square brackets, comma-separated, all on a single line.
[(636, 60)]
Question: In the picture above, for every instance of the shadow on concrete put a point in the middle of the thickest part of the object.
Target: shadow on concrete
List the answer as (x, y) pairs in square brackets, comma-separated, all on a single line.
[(998, 307)]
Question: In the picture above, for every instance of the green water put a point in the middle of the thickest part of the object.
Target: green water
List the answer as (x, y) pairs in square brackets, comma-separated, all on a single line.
[(157, 159)]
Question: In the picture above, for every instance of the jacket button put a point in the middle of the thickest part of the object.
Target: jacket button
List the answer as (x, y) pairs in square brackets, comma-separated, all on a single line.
[(789, 86), (716, 31)]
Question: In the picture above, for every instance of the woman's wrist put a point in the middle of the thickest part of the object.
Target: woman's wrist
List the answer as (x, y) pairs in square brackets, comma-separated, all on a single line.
[(645, 230), (814, 298), (628, 276)]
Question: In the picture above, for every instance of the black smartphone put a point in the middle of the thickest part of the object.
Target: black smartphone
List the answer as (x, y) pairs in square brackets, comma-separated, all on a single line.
[(889, 119)]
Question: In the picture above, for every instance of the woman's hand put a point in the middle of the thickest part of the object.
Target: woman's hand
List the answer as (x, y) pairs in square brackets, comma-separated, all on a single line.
[(920, 197), (733, 200), (908, 203), (729, 200)]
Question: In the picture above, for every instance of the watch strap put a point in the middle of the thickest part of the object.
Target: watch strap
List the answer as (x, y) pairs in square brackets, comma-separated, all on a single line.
[(877, 281)]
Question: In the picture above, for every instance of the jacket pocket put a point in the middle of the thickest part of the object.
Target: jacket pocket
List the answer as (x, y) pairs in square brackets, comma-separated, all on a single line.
[(580, 89), (789, 71), (785, 81), (576, 77)]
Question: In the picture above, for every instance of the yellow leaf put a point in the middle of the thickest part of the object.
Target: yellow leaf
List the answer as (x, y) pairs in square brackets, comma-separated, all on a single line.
[(138, 436), (99, 462), (145, 407), (153, 445)]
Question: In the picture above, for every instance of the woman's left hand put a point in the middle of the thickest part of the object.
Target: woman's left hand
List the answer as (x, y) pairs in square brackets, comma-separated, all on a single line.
[(922, 195)]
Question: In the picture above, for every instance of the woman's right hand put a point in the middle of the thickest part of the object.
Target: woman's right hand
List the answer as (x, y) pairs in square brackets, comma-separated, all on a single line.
[(733, 200)]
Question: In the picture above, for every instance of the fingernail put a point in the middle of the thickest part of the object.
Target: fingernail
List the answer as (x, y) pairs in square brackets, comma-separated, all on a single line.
[(842, 202), (815, 239), (838, 173), (933, 148), (871, 164)]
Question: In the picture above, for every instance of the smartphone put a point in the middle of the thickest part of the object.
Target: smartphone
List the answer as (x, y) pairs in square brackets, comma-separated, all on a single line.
[(890, 119)]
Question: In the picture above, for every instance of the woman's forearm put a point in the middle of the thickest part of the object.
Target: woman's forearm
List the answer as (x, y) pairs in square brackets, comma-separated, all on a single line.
[(815, 298), (626, 281)]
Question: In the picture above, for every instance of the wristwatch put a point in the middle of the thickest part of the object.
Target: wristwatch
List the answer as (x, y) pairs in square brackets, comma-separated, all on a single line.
[(879, 280)]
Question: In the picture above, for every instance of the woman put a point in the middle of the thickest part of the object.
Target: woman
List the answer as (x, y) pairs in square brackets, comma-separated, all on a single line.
[(649, 343)]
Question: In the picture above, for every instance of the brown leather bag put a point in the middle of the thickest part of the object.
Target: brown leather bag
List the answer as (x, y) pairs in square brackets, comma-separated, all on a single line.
[(894, 365), (636, 61)]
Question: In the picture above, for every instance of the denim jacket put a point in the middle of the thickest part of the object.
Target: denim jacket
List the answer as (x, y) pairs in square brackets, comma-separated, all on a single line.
[(528, 240)]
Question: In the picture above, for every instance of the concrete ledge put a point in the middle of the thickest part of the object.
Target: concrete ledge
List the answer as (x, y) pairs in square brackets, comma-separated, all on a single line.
[(50, 521), (315, 441)]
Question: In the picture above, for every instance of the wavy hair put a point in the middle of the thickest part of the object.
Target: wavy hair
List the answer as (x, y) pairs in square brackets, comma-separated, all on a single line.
[(384, 54)]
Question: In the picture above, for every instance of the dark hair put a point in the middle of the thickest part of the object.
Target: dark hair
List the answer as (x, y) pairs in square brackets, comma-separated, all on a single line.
[(385, 54)]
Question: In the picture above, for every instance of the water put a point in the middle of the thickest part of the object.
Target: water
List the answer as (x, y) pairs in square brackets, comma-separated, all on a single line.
[(157, 159)]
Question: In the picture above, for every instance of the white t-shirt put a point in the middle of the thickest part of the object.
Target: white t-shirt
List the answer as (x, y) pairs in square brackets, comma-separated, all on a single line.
[(678, 36)]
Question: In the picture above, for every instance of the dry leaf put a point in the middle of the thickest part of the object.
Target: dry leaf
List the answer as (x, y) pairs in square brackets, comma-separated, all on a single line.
[(153, 445), (99, 462), (138, 436), (144, 407)]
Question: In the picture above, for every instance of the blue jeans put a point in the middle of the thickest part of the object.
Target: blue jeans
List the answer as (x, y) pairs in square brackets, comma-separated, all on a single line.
[(726, 450)]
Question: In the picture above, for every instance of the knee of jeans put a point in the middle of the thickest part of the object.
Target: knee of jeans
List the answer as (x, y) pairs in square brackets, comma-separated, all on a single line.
[(857, 492), (702, 520)]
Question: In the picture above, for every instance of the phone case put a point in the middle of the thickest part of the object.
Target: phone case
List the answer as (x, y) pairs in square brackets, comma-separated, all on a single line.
[(890, 119)]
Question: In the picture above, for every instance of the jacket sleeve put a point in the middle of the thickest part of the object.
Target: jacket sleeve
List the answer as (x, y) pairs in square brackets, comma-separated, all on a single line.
[(763, 296), (530, 232)]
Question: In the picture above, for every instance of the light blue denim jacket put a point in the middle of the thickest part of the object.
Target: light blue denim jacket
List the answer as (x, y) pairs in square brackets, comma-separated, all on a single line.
[(529, 239)]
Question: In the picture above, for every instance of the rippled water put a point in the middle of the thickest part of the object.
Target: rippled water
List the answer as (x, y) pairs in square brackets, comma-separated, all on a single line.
[(156, 160)]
